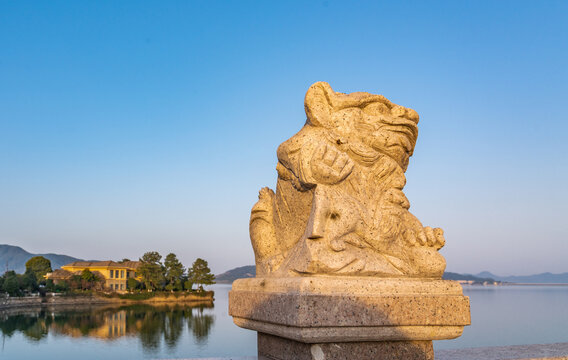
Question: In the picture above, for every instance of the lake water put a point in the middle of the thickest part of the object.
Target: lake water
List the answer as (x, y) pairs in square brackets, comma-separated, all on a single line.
[(504, 315)]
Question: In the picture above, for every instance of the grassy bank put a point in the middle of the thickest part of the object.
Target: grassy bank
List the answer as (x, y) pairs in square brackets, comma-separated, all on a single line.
[(90, 297), (162, 296)]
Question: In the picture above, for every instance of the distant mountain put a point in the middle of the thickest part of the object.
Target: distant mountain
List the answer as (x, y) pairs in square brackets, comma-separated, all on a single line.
[(250, 271), (15, 258), (544, 278), (467, 277), (242, 272)]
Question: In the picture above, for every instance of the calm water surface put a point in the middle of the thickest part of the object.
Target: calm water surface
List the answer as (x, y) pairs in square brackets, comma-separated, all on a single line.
[(506, 315)]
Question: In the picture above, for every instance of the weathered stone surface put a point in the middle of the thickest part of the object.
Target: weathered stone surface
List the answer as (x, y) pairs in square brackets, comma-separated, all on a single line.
[(350, 285), (277, 348), (331, 309), (344, 270), (339, 208)]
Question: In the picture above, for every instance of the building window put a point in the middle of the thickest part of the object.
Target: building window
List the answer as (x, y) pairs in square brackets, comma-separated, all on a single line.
[(111, 273), (122, 274), (121, 286)]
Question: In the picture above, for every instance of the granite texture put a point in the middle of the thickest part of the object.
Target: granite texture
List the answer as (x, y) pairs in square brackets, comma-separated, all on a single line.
[(325, 309), (338, 207), (335, 334), (276, 348), (344, 270), (350, 285)]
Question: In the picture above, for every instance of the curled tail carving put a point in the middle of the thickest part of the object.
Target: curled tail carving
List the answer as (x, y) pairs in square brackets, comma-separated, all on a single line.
[(262, 232)]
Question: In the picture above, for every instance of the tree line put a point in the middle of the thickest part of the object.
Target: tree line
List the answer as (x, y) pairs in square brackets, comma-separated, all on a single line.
[(170, 275), (28, 282), (155, 275)]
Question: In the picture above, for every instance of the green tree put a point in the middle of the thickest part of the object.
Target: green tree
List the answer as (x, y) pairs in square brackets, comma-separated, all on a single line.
[(28, 282), (132, 284), (200, 274), (188, 284), (49, 285), (88, 275), (11, 283), (174, 272), (151, 270), (62, 286), (90, 280), (39, 266), (17, 284)]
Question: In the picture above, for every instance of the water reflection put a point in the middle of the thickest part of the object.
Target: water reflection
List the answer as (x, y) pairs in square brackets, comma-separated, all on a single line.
[(151, 324)]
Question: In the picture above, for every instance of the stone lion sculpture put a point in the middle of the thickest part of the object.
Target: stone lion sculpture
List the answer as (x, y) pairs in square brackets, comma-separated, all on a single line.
[(338, 208)]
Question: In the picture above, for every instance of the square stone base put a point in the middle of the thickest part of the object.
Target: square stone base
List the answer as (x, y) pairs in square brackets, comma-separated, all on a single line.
[(277, 348), (316, 310)]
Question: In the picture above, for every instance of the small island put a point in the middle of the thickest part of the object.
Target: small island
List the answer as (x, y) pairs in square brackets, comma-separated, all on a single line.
[(147, 280)]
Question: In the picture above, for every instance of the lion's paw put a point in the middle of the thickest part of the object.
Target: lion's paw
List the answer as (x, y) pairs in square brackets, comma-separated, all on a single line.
[(425, 237)]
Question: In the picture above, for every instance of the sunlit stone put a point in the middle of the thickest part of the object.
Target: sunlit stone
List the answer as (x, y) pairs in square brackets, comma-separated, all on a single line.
[(340, 259)]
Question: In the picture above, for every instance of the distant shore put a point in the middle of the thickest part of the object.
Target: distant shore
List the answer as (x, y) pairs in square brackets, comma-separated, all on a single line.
[(101, 299), (514, 284), (536, 284)]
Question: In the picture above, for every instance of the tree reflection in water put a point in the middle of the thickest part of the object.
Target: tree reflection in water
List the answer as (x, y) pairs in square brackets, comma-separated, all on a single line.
[(200, 324), (151, 324)]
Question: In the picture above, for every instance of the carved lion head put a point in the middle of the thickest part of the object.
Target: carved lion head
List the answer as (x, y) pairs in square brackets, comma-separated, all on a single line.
[(369, 124)]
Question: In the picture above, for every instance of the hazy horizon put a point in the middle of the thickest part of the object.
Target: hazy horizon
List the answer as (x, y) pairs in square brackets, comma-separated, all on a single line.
[(251, 264), (133, 127)]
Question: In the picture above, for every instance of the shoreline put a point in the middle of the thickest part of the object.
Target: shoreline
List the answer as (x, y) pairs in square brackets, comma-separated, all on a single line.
[(537, 284), (515, 284), (66, 300)]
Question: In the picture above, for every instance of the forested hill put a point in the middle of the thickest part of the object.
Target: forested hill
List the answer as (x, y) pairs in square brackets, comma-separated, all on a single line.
[(544, 278), (228, 277), (468, 277), (14, 258), (249, 271)]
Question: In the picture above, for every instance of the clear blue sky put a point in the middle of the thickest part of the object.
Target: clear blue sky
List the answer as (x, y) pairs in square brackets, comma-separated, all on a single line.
[(135, 126)]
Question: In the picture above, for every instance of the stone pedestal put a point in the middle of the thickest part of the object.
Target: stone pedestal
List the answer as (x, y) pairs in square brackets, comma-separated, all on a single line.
[(323, 318), (345, 270), (274, 347)]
